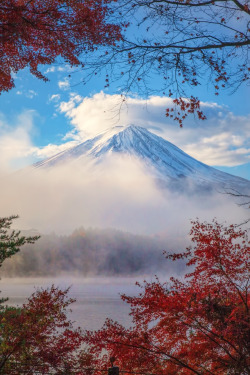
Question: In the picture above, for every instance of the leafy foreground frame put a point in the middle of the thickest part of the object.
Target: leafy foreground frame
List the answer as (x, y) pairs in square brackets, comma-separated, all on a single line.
[(37, 337), (195, 325)]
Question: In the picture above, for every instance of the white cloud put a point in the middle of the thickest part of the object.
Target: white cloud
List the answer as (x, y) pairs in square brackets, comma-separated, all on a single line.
[(223, 139), (51, 69), (65, 68), (67, 107), (51, 149), (29, 94), (101, 111), (15, 141), (64, 85), (55, 98), (17, 148), (61, 68)]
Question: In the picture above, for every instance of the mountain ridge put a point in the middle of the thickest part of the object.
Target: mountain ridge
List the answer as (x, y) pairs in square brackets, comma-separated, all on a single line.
[(168, 163)]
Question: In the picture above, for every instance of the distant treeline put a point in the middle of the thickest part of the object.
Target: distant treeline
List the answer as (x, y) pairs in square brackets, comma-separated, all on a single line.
[(89, 252)]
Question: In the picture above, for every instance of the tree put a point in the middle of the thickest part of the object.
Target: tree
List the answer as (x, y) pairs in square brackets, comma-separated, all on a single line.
[(11, 241), (196, 325), (38, 337), (36, 32), (180, 41)]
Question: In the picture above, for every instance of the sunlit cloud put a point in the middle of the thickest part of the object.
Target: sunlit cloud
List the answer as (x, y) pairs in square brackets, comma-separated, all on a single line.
[(223, 139)]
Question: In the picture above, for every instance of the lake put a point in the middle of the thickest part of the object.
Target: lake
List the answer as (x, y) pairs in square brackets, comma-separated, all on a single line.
[(96, 298)]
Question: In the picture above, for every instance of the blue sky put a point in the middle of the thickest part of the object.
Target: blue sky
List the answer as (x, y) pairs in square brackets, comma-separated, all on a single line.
[(39, 119)]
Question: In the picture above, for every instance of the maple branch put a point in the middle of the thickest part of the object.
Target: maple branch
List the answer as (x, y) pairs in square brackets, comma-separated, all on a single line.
[(183, 48), (176, 360), (182, 3), (199, 365), (234, 285), (242, 7), (190, 4), (201, 327), (7, 357)]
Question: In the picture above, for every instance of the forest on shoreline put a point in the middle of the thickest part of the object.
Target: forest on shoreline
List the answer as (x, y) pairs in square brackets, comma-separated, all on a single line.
[(89, 252)]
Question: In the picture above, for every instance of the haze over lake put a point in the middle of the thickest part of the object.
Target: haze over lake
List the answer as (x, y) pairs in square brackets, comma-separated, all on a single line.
[(96, 298)]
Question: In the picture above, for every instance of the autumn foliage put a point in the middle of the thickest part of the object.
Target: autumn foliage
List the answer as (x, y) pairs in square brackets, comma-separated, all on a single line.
[(36, 32), (38, 337), (198, 324)]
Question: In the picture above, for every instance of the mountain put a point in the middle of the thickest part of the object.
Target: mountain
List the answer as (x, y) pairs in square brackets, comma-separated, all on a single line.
[(168, 164)]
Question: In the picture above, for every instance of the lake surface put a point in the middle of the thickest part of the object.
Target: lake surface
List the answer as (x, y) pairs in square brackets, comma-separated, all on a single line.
[(96, 298)]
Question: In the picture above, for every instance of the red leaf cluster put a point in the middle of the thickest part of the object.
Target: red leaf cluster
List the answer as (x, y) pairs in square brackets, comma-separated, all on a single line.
[(183, 107), (198, 324), (38, 31), (38, 336)]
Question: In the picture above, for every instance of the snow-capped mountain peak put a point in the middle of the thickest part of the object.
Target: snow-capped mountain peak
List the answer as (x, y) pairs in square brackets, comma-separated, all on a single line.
[(162, 159)]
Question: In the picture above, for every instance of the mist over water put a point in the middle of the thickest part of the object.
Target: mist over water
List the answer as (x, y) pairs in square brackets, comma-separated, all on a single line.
[(96, 298), (92, 252)]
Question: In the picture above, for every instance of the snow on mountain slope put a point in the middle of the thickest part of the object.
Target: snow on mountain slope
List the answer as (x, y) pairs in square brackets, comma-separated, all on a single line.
[(166, 162)]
